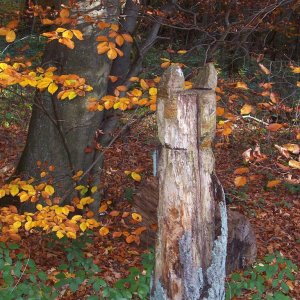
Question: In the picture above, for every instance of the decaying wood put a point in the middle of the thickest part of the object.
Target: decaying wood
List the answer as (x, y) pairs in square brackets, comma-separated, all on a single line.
[(241, 244), (190, 251)]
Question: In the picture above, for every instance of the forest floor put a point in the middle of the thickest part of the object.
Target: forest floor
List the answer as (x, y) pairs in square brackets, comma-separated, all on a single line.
[(273, 212)]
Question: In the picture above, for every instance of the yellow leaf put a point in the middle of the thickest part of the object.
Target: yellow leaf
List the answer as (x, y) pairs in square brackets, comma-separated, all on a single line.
[(298, 84), (71, 235), (83, 226), (181, 51), (293, 148), (220, 111), (67, 34), (100, 107), (28, 225), (2, 193), (52, 88), (240, 171), (49, 189), (137, 217), (65, 210), (241, 85), (246, 109), (153, 91), (295, 70), (14, 190), (17, 225), (188, 85), (240, 181), (94, 189), (39, 207), (135, 176), (76, 218), (273, 183), (294, 164), (78, 34), (103, 231), (24, 197), (10, 36), (59, 234)]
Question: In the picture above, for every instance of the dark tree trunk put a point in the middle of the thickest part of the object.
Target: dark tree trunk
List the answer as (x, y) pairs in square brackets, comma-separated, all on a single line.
[(60, 131)]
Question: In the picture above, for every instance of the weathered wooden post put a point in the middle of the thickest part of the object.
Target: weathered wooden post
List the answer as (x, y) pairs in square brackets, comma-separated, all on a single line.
[(190, 250)]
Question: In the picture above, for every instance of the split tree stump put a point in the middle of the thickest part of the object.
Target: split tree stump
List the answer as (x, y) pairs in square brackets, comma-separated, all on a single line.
[(190, 252), (241, 242)]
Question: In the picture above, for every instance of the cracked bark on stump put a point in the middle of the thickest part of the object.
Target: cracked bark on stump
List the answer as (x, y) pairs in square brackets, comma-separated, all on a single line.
[(241, 243), (190, 252)]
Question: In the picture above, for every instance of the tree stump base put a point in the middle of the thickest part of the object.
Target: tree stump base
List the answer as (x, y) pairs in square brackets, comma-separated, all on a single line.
[(241, 245)]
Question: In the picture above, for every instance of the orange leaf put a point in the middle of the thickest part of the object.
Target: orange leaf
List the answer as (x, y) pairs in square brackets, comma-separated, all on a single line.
[(165, 64), (119, 40), (139, 230), (246, 109), (144, 84), (122, 88), (125, 214), (240, 171), (114, 27), (220, 111), (67, 42), (240, 181), (130, 239), (241, 85), (78, 34), (102, 47), (226, 131), (127, 37), (274, 127), (102, 208), (113, 78), (114, 213), (273, 183), (103, 231), (112, 54), (64, 13), (116, 234)]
